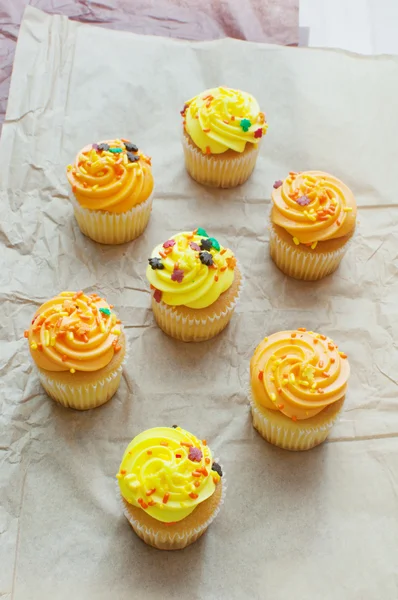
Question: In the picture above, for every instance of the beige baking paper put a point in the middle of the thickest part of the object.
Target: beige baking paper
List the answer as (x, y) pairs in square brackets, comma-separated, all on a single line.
[(318, 525)]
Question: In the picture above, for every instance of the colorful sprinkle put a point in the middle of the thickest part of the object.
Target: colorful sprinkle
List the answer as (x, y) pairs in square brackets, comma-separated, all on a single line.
[(177, 275), (195, 454), (261, 375), (193, 495), (157, 295), (194, 246), (258, 133), (132, 157), (303, 200), (169, 244), (206, 244), (296, 241), (155, 263), (130, 147), (278, 184), (245, 124), (215, 244), (216, 467), (105, 311), (166, 498), (206, 259), (314, 245), (102, 147)]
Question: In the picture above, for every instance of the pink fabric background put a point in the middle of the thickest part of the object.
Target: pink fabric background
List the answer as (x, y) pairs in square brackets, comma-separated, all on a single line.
[(273, 21)]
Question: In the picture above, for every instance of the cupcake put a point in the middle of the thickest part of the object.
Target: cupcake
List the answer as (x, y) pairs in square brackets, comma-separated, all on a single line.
[(111, 192), (312, 220), (221, 138), (298, 385), (171, 490), (78, 347), (195, 285)]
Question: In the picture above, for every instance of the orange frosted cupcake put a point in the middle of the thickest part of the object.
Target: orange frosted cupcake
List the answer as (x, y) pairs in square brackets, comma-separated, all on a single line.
[(195, 285), (298, 385), (221, 138), (313, 218), (171, 489), (111, 193), (78, 346)]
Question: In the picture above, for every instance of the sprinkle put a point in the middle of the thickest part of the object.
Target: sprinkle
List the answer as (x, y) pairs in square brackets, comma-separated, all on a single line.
[(193, 495), (281, 406), (204, 442), (196, 474), (149, 452), (304, 383), (201, 231), (195, 454), (163, 443), (117, 348), (273, 397), (102, 327), (208, 151), (314, 245), (157, 295), (194, 246), (33, 346), (330, 346), (26, 334), (177, 275), (70, 336), (332, 360), (343, 355), (46, 338), (115, 150), (206, 259), (313, 386), (169, 244), (187, 444), (215, 244), (150, 492), (261, 375), (129, 146), (347, 209), (301, 329), (166, 498), (207, 460), (72, 370), (292, 378), (83, 170), (303, 200), (196, 483), (277, 184), (293, 335), (155, 263), (294, 418), (296, 241), (116, 332), (320, 364), (40, 347), (178, 455), (258, 133), (324, 374), (320, 391), (338, 222)]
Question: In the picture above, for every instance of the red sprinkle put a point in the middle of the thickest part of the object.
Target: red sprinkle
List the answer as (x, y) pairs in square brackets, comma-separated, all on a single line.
[(258, 133), (178, 455), (261, 375), (157, 295)]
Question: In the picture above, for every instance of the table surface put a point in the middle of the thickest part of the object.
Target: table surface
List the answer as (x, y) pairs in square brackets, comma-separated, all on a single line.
[(272, 21)]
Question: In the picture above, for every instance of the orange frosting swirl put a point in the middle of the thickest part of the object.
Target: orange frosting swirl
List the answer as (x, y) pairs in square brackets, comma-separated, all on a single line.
[(313, 206), (298, 373), (74, 332), (114, 179)]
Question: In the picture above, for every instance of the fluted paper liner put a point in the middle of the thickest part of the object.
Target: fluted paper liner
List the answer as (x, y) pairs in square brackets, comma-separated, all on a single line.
[(300, 264), (180, 327), (112, 228), (217, 171), (299, 435), (169, 540)]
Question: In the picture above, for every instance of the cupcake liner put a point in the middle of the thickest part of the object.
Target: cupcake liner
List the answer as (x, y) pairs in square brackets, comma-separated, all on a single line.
[(299, 438), (193, 330), (112, 228), (85, 396), (303, 265), (167, 540), (217, 171)]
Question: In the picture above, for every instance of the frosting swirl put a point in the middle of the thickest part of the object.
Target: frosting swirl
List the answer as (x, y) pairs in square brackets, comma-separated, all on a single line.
[(298, 373), (190, 269), (221, 118), (74, 332), (167, 472), (111, 176), (313, 206)]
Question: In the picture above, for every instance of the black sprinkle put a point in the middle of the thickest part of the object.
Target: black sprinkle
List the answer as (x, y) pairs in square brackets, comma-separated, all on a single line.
[(130, 147), (156, 263), (103, 147), (206, 258), (174, 426), (132, 157), (216, 467), (206, 244)]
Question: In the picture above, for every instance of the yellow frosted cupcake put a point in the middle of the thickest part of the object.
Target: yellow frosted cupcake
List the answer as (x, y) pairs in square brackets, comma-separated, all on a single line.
[(221, 138), (195, 285), (313, 218), (171, 489), (78, 346), (111, 193), (298, 385)]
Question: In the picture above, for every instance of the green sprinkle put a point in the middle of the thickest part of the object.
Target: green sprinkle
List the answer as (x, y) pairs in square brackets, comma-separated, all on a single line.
[(118, 150), (245, 124), (215, 244), (203, 232), (105, 311)]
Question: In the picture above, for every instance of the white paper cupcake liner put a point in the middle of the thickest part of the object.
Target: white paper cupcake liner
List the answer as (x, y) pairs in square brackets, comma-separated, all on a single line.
[(167, 540), (198, 329), (304, 265), (226, 173), (297, 440), (112, 228)]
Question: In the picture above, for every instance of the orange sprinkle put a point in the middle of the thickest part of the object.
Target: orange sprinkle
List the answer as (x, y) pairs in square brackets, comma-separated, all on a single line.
[(149, 451), (323, 337), (281, 406), (193, 495), (144, 505), (324, 374), (226, 122), (216, 278), (188, 444), (285, 376), (111, 306), (330, 346), (26, 334), (301, 329), (166, 498), (64, 357), (168, 250), (204, 442), (206, 130), (343, 355), (196, 483), (223, 269), (204, 471), (261, 375), (294, 418), (196, 474), (332, 360), (40, 346), (162, 254), (208, 151), (79, 293), (322, 218), (215, 480), (207, 461), (74, 188), (293, 335), (150, 492), (320, 364), (232, 118), (315, 341), (338, 222), (223, 251), (195, 231), (320, 391), (151, 503), (164, 443), (279, 390), (123, 472)]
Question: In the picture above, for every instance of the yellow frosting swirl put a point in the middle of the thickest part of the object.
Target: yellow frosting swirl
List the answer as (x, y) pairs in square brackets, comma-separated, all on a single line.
[(298, 373), (112, 180), (313, 206), (74, 332), (167, 472), (190, 269), (221, 118)]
